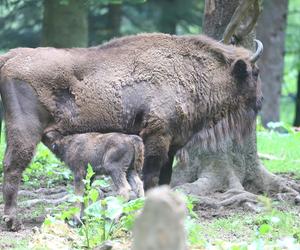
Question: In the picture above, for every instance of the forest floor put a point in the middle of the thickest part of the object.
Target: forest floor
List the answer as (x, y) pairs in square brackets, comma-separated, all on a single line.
[(230, 224), (47, 177)]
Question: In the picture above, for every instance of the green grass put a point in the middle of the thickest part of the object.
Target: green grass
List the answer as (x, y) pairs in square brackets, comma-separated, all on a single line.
[(285, 147), (9, 242), (46, 170), (287, 110), (268, 227)]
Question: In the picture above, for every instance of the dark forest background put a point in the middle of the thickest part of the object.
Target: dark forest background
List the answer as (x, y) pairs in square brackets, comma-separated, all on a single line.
[(82, 23)]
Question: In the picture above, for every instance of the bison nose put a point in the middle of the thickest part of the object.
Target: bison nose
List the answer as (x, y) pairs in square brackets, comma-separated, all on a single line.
[(258, 104)]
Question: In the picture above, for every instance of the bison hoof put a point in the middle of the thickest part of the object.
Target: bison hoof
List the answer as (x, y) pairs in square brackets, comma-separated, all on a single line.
[(12, 223)]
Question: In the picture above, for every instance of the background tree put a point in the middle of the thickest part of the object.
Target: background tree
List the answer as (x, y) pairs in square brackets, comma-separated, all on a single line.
[(271, 31), (65, 23), (20, 23)]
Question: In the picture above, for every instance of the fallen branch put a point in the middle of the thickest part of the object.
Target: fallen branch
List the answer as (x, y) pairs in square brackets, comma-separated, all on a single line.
[(269, 157)]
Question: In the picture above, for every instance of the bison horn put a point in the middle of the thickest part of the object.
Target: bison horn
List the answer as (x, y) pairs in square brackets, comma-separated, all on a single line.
[(258, 52)]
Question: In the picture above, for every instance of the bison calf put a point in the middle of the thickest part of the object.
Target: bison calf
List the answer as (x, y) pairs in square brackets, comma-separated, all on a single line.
[(119, 155)]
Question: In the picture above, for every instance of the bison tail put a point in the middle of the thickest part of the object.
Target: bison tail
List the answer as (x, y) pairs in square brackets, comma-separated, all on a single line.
[(138, 153), (3, 59)]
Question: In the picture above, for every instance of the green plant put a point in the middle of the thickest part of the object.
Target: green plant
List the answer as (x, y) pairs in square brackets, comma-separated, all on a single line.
[(103, 219), (193, 227), (274, 224), (46, 170)]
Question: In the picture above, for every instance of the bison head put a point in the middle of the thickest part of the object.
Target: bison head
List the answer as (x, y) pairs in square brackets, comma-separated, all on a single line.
[(246, 74), (237, 99)]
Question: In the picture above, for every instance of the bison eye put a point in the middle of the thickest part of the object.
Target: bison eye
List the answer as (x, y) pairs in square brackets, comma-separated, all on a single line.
[(255, 73), (54, 147)]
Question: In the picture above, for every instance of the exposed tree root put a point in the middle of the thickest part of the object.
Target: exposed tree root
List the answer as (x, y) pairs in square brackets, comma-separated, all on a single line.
[(57, 196), (49, 201), (221, 185), (39, 195)]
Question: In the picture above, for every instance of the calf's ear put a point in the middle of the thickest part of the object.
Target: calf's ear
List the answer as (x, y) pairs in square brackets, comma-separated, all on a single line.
[(239, 70)]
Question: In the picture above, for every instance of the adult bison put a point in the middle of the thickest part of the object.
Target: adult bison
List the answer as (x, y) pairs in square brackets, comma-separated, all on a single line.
[(164, 88)]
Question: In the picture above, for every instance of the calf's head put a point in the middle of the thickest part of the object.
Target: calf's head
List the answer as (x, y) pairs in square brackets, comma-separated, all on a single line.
[(52, 139)]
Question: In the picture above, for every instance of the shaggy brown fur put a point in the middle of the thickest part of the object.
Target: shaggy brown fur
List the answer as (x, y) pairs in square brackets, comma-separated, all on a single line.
[(165, 88), (119, 155)]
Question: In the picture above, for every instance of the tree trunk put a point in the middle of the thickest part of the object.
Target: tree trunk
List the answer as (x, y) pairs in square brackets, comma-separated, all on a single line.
[(114, 20), (65, 24), (237, 171), (167, 21), (297, 117), (271, 31)]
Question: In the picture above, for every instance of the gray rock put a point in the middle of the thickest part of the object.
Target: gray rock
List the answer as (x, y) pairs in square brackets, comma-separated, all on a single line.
[(160, 226)]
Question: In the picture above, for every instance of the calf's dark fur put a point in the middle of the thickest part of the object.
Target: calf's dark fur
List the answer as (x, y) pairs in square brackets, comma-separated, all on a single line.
[(118, 155)]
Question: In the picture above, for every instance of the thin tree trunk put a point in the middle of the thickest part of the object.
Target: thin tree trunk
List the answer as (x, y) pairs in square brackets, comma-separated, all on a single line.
[(271, 31), (297, 117), (114, 20), (167, 22), (65, 24)]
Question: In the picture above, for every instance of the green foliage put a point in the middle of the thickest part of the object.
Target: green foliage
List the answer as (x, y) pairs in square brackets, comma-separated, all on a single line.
[(104, 219), (45, 170), (192, 226), (291, 62), (106, 2)]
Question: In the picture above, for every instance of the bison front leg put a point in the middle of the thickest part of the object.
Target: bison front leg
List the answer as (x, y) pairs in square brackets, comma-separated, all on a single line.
[(166, 171), (156, 156)]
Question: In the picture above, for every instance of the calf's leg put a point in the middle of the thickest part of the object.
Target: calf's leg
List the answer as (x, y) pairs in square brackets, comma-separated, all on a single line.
[(116, 163), (135, 182), (79, 176)]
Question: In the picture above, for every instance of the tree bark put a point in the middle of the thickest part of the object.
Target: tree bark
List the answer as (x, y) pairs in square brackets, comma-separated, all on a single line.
[(237, 171), (65, 24), (297, 116), (271, 31), (114, 20)]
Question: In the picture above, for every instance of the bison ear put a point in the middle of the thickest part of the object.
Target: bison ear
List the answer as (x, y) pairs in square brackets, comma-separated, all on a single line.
[(239, 70)]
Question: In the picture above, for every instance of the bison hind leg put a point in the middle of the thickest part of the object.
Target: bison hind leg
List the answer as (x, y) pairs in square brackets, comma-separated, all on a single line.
[(25, 120), (120, 181), (136, 184)]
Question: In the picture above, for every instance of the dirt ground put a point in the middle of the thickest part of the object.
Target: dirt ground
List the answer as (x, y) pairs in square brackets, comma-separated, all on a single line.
[(34, 213)]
